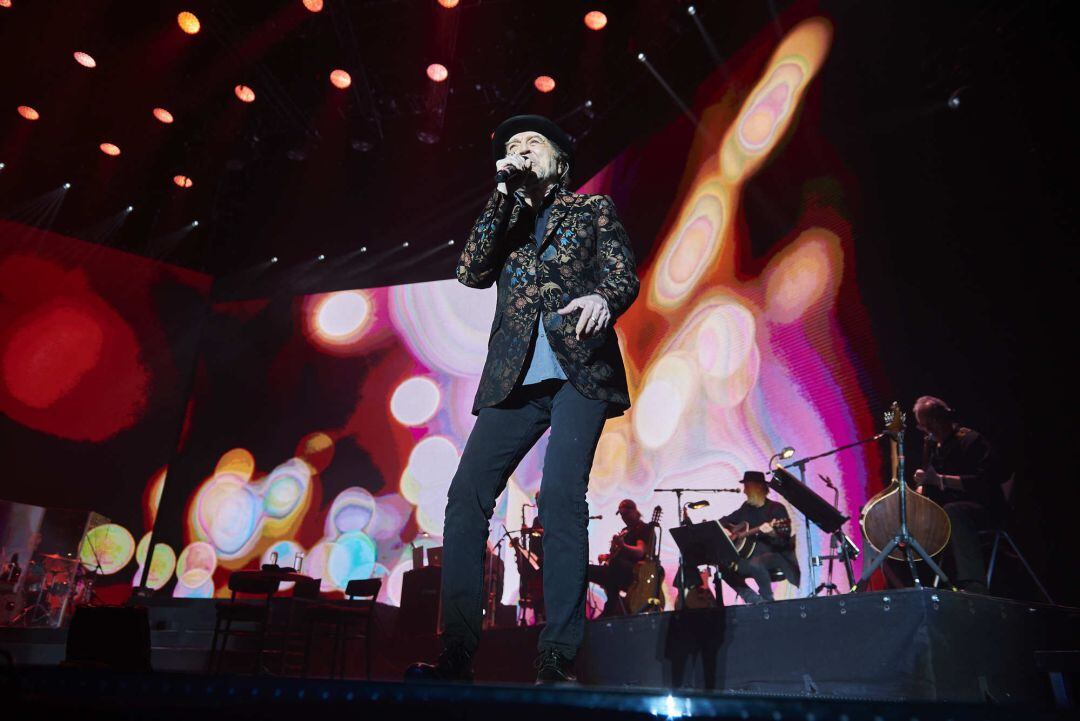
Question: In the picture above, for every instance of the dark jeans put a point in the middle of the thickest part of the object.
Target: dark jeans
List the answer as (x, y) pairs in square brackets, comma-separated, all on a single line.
[(758, 567), (502, 436)]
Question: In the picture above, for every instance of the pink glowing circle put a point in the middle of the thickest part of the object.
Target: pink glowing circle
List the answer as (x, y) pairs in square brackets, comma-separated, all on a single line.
[(342, 318), (84, 59), (415, 401)]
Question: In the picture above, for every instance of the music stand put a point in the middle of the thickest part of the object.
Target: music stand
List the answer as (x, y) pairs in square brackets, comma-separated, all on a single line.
[(816, 509), (705, 544)]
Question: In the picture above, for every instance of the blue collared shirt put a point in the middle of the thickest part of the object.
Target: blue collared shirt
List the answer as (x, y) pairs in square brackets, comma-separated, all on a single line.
[(543, 364)]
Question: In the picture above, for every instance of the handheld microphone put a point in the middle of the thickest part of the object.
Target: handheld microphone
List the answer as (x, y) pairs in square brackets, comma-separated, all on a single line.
[(595, 518), (503, 176)]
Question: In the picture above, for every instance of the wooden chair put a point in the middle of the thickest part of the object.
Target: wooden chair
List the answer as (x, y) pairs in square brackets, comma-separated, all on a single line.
[(350, 621), (248, 604)]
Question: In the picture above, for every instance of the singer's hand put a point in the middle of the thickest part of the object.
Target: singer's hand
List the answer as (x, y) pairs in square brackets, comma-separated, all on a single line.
[(595, 314), (516, 165)]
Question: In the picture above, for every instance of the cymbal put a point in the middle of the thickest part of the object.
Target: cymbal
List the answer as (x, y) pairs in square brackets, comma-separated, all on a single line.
[(58, 557)]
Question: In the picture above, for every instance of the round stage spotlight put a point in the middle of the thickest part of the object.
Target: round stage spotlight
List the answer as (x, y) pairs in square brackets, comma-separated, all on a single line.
[(246, 94), (163, 115), (340, 79), (109, 149), (84, 59), (29, 113), (188, 22), (437, 72), (544, 83), (595, 20)]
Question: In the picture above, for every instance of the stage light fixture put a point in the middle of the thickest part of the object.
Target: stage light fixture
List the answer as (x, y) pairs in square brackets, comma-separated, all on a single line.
[(544, 83), (321, 257), (340, 79), (274, 259), (437, 72), (29, 113), (2, 166), (183, 181), (109, 149), (450, 243), (449, 4), (246, 94), (405, 244), (67, 186), (85, 60), (595, 20), (5, 3), (194, 224), (188, 22), (363, 249), (314, 6), (691, 10), (641, 57), (129, 208), (163, 115)]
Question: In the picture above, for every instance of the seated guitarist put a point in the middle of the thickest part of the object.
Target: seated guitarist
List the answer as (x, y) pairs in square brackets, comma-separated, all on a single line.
[(616, 570), (774, 548)]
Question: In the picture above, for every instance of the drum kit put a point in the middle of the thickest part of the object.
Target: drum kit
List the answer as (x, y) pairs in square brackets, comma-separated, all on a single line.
[(47, 592)]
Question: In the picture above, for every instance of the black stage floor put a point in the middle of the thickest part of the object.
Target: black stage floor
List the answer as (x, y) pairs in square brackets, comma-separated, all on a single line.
[(856, 654)]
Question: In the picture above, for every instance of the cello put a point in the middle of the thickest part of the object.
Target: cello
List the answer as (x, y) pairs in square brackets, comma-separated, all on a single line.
[(927, 522)]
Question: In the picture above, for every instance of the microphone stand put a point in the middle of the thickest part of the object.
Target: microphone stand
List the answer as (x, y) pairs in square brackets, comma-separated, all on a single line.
[(801, 465), (684, 520)]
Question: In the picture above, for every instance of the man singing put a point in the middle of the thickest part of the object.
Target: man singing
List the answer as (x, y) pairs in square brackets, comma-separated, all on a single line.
[(565, 273)]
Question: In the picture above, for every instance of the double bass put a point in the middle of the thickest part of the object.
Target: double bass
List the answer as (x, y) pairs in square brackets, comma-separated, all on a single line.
[(927, 522)]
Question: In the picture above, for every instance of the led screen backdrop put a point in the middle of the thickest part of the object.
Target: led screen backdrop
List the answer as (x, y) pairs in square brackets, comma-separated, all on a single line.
[(96, 347), (330, 425)]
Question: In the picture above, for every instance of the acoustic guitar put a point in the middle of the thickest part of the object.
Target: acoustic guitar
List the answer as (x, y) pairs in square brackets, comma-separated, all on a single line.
[(646, 593), (744, 538)]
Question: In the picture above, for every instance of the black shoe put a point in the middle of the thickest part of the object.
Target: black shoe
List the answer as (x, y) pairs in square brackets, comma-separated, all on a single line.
[(553, 667), (454, 664)]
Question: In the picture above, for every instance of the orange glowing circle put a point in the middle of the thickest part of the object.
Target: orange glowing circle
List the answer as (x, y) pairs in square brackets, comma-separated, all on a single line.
[(85, 60), (595, 20), (245, 93), (29, 113), (544, 83), (163, 115), (188, 22), (437, 72), (5, 3), (183, 181), (340, 79), (449, 4), (313, 5), (109, 149)]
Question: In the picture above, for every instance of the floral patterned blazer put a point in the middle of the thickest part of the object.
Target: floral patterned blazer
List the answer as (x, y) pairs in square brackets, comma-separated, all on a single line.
[(585, 250)]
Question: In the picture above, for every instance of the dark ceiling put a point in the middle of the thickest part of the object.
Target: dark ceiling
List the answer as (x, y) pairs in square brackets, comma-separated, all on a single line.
[(308, 169)]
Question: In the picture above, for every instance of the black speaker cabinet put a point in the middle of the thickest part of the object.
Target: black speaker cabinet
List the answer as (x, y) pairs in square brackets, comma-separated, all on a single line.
[(116, 637), (419, 613)]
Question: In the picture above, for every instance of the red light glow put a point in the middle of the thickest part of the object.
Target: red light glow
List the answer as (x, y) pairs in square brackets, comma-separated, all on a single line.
[(188, 22), (5, 3), (163, 115), (183, 181), (544, 83), (314, 6), (109, 149), (595, 20), (437, 72), (340, 79), (29, 113), (245, 93), (449, 4), (85, 60)]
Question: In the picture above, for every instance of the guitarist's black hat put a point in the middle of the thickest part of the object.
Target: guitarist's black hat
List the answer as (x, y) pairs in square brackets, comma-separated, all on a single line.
[(752, 476)]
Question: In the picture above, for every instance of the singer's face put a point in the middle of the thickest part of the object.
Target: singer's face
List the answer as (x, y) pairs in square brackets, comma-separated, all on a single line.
[(540, 154)]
